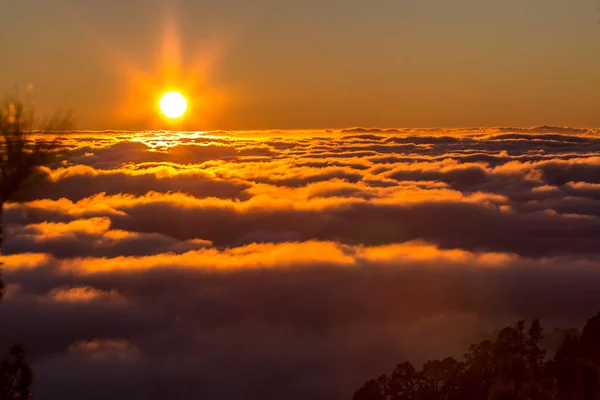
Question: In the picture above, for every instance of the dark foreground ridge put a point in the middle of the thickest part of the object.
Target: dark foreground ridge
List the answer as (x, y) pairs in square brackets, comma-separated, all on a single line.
[(511, 367)]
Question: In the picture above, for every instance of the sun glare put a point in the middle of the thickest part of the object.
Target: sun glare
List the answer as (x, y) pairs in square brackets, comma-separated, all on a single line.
[(173, 105)]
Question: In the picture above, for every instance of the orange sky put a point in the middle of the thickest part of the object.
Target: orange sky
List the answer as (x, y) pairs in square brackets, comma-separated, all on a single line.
[(315, 63)]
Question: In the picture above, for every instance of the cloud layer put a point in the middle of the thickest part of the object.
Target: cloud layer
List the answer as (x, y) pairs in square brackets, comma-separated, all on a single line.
[(293, 264)]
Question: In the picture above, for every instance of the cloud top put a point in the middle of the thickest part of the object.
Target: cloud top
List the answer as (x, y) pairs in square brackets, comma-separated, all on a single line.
[(229, 265)]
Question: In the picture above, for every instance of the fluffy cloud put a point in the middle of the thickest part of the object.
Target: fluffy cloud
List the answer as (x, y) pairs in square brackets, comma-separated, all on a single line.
[(292, 265), (316, 312)]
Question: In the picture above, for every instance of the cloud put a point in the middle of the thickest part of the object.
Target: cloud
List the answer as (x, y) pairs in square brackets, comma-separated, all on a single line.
[(82, 294), (92, 236), (315, 312), (292, 264), (95, 350), (546, 129), (79, 182), (345, 214)]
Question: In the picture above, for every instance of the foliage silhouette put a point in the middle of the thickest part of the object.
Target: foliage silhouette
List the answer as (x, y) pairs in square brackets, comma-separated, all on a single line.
[(511, 367), (21, 153), (16, 376)]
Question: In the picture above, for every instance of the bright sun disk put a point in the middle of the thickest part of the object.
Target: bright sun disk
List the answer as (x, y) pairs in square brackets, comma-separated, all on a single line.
[(173, 105)]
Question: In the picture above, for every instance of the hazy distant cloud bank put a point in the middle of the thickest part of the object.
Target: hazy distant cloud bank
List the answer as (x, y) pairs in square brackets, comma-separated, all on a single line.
[(293, 265)]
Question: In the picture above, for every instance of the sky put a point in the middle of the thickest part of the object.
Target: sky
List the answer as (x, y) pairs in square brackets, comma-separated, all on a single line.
[(340, 218), (272, 64)]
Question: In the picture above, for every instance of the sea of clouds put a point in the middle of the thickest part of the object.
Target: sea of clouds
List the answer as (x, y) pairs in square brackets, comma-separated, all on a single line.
[(292, 265)]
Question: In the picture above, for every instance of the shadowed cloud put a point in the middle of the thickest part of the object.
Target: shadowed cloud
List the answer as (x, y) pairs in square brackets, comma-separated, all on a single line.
[(295, 264)]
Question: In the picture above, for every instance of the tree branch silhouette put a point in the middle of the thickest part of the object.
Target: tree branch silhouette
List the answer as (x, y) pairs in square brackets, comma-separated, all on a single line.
[(23, 149)]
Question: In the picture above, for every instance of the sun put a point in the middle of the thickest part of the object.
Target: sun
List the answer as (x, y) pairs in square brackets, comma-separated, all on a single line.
[(173, 105)]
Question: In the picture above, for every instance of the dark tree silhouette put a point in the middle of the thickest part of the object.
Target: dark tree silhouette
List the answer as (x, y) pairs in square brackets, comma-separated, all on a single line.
[(20, 152), (16, 376), (375, 389), (514, 366), (20, 156)]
